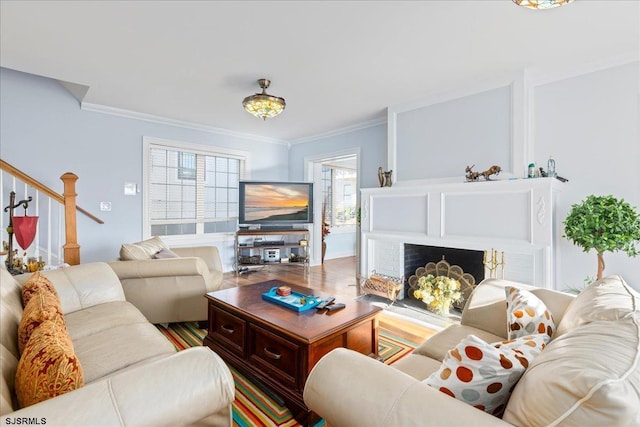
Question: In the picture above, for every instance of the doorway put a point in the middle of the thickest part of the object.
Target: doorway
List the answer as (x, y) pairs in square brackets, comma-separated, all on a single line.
[(337, 192)]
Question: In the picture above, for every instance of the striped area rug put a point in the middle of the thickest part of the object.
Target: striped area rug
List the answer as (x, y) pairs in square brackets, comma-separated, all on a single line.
[(255, 405)]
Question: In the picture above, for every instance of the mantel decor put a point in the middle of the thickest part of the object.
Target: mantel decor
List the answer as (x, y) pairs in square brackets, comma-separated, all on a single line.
[(470, 175)]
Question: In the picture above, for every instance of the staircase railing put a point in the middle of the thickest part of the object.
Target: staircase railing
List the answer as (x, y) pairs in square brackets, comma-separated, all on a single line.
[(55, 249)]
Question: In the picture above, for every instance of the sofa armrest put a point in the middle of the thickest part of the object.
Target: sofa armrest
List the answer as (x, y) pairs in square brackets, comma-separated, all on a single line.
[(486, 308), (178, 390), (349, 389), (209, 254), (168, 267), (82, 286)]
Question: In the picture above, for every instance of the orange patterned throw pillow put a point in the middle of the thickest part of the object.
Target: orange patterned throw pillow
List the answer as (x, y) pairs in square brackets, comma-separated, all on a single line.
[(527, 314), (42, 305), (34, 284), (484, 375), (48, 367)]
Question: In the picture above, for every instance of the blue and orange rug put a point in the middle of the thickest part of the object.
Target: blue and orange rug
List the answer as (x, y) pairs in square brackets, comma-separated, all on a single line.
[(255, 405)]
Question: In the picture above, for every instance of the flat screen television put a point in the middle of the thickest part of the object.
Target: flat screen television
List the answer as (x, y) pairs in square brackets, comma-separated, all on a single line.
[(275, 203)]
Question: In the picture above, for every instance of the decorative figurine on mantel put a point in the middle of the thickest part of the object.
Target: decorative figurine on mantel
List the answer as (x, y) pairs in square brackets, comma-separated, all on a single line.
[(387, 178), (491, 263), (475, 176), (384, 178)]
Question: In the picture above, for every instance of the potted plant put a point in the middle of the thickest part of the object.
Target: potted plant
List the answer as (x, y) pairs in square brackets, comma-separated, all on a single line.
[(603, 223), (438, 292)]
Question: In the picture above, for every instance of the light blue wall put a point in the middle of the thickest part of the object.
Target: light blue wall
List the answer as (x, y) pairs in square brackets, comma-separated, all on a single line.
[(478, 125), (590, 124), (44, 132), (372, 142)]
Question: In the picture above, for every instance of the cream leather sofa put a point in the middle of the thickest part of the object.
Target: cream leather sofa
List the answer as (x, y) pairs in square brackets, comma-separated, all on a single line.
[(171, 289), (588, 375), (133, 375)]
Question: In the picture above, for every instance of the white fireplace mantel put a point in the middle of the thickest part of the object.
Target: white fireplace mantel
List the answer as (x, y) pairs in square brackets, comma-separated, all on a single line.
[(515, 216)]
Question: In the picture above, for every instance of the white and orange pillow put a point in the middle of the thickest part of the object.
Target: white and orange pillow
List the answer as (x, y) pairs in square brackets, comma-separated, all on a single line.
[(527, 314), (484, 375)]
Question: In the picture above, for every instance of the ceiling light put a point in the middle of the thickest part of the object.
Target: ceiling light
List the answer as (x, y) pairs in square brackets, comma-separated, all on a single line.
[(541, 4), (263, 105)]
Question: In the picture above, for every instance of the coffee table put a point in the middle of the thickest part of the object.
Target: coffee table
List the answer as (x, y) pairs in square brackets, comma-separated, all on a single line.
[(279, 346)]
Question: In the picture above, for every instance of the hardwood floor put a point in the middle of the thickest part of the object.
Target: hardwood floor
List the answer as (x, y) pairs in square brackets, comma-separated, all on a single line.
[(337, 277)]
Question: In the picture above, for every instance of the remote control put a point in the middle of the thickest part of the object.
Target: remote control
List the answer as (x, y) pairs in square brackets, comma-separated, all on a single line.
[(335, 307), (325, 303)]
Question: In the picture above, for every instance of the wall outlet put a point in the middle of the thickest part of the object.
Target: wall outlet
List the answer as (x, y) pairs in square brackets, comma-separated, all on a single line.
[(105, 206)]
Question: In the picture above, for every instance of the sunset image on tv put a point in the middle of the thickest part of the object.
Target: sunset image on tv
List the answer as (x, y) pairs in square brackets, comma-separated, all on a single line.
[(267, 202)]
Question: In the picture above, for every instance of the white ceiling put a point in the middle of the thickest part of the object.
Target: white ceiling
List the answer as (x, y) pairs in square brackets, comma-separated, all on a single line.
[(338, 64)]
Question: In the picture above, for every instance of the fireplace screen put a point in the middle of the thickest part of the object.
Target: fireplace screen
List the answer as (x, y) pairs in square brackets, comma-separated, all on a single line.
[(443, 268)]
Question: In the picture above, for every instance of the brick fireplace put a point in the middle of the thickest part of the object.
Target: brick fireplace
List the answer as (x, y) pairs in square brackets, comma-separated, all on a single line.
[(516, 217)]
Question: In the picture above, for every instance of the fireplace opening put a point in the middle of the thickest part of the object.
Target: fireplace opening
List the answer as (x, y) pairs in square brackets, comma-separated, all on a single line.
[(415, 256)]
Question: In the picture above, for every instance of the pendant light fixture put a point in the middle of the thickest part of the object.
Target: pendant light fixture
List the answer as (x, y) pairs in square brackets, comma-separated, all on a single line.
[(541, 4), (263, 105)]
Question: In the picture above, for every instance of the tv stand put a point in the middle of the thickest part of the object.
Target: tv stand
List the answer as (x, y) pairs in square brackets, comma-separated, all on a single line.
[(276, 227), (272, 246)]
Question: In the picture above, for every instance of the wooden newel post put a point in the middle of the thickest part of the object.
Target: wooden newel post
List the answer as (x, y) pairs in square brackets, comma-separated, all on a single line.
[(71, 246)]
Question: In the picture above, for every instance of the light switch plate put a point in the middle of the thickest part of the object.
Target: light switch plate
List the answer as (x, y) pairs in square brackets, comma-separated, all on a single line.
[(130, 188), (105, 206)]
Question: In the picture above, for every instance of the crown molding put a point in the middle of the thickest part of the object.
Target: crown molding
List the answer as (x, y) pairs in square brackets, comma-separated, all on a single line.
[(541, 76), (86, 106), (340, 131)]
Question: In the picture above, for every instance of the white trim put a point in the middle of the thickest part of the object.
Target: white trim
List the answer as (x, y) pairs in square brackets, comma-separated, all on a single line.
[(551, 75), (200, 148), (309, 175), (519, 123), (459, 92), (86, 106), (149, 141), (341, 131)]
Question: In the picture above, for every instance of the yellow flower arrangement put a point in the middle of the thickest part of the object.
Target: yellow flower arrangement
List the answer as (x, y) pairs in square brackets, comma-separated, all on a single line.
[(438, 293)]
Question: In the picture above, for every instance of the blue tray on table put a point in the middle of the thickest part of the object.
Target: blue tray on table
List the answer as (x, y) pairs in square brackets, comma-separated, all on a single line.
[(292, 301)]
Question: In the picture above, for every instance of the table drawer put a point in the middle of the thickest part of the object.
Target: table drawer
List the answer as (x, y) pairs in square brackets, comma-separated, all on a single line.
[(273, 354), (229, 330)]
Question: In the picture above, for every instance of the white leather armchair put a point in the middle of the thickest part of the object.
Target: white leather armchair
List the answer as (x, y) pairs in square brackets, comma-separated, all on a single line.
[(169, 289)]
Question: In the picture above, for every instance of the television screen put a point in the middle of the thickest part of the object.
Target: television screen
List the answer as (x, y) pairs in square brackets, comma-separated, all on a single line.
[(275, 203)]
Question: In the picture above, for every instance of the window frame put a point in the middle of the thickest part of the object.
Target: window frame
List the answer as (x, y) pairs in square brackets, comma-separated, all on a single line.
[(209, 150)]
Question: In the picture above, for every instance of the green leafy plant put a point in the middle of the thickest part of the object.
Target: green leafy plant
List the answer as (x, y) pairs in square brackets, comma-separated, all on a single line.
[(605, 224)]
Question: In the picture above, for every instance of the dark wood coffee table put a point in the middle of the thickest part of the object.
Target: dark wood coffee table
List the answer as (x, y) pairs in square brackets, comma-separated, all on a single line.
[(279, 346)]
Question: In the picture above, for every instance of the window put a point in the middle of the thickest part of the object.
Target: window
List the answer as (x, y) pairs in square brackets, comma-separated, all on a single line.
[(186, 165), (191, 190), (339, 198)]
